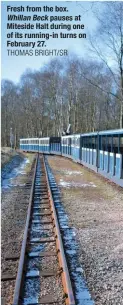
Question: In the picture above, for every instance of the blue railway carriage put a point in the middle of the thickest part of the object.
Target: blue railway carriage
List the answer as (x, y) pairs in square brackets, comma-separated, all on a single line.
[(23, 144), (110, 161), (88, 149), (44, 145), (75, 147), (103, 152), (66, 146), (55, 145), (29, 144)]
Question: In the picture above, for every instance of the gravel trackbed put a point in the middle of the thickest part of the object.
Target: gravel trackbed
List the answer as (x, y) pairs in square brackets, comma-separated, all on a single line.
[(95, 209)]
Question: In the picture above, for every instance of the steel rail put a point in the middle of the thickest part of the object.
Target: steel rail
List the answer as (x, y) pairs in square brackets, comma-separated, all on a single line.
[(19, 277), (68, 291)]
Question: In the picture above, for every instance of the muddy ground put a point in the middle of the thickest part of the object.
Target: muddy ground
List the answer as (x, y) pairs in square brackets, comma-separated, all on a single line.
[(95, 210), (14, 204)]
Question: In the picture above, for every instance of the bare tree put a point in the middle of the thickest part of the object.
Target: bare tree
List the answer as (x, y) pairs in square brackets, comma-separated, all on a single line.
[(108, 43), (78, 92)]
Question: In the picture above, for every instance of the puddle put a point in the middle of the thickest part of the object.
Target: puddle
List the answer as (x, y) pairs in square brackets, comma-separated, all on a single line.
[(75, 184), (11, 170)]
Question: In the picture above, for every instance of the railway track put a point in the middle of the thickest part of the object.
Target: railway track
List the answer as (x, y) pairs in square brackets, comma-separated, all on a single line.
[(43, 276)]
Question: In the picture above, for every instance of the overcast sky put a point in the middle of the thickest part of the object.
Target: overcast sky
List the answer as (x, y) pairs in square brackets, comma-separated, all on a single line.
[(14, 66)]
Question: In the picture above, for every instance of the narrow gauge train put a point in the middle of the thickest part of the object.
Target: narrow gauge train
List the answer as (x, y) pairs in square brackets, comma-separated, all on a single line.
[(100, 151)]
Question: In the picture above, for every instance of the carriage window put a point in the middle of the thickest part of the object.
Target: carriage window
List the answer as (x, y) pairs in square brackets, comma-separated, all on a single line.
[(77, 141), (121, 144), (116, 144), (68, 141)]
